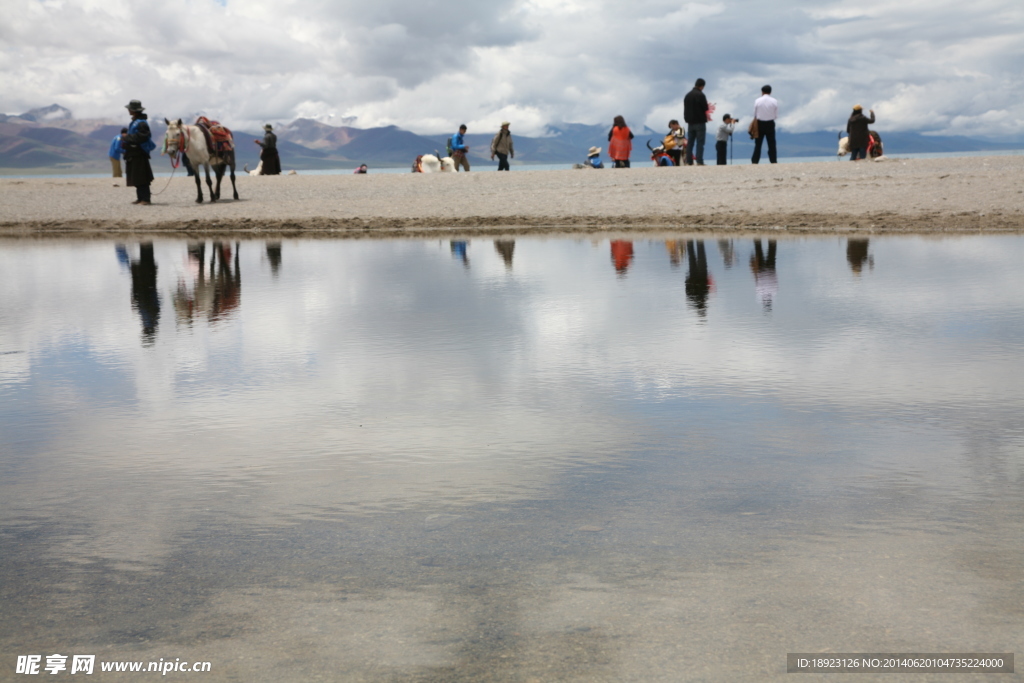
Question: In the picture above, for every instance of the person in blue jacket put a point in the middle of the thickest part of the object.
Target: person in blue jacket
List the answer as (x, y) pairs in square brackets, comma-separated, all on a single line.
[(460, 148), (115, 153), (137, 144)]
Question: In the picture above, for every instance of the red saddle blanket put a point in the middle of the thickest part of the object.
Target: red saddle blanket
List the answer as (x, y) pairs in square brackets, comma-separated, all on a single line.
[(218, 137)]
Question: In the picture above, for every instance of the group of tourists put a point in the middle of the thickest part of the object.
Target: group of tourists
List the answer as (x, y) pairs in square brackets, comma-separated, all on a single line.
[(501, 147), (686, 148), (678, 147)]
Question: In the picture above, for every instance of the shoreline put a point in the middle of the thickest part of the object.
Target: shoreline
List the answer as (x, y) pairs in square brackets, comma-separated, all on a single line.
[(473, 226), (977, 195)]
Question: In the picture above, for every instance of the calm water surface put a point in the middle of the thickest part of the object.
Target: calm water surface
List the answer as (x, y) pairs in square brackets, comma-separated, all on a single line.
[(598, 459)]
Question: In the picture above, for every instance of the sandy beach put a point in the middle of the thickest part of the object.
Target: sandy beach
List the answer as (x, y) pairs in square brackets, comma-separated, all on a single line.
[(949, 195)]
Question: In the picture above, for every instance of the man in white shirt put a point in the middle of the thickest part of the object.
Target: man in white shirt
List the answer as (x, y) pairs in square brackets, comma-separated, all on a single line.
[(766, 110)]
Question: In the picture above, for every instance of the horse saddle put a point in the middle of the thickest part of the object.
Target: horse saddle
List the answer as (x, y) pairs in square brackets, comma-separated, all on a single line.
[(218, 137)]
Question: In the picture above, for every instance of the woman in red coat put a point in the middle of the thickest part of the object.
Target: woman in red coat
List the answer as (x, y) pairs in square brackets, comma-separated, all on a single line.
[(619, 145)]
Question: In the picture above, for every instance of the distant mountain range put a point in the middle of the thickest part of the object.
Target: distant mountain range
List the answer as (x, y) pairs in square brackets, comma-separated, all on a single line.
[(50, 139)]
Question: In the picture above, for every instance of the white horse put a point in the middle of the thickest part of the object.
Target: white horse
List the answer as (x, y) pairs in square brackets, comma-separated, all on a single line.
[(844, 146), (191, 141), (430, 163)]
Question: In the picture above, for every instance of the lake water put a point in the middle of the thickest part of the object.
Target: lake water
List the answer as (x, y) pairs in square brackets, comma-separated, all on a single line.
[(544, 459)]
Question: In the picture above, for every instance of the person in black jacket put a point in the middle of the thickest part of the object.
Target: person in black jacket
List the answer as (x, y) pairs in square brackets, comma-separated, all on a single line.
[(695, 113), (857, 130), (137, 144), (269, 156)]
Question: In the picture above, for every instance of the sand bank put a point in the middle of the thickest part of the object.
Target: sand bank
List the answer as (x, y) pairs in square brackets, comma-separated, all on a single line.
[(950, 195)]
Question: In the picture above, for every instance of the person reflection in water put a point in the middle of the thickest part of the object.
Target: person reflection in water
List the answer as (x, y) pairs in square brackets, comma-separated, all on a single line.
[(145, 298), (274, 256), (506, 248), (460, 250), (698, 279), (765, 281), (857, 254), (622, 255), (122, 256), (728, 252), (675, 252)]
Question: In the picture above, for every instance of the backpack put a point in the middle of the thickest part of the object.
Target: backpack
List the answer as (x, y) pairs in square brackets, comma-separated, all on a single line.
[(449, 148), (669, 142)]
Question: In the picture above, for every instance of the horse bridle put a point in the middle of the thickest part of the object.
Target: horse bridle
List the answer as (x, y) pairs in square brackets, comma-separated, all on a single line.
[(182, 148)]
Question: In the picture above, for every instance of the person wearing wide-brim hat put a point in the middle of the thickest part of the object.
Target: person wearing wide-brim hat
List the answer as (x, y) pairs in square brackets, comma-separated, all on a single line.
[(137, 144), (269, 158), (857, 130), (594, 158), (502, 146)]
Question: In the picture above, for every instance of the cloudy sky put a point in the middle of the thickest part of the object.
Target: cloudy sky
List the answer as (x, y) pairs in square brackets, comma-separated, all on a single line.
[(427, 65)]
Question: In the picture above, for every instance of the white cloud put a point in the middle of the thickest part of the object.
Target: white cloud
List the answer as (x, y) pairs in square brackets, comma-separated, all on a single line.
[(428, 66)]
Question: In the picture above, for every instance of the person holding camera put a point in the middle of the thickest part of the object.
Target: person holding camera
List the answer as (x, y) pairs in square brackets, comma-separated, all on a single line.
[(722, 140)]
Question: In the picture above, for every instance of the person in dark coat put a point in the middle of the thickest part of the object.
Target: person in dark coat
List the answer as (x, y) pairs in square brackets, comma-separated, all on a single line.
[(137, 144), (857, 130), (695, 113), (269, 156)]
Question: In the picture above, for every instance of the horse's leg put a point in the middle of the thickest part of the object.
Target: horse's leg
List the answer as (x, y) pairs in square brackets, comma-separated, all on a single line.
[(219, 172), (199, 185), (209, 184), (233, 188)]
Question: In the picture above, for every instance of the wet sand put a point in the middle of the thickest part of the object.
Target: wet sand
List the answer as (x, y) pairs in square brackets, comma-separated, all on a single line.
[(950, 195)]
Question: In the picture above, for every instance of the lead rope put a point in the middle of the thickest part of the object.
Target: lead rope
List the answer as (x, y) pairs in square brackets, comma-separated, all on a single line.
[(174, 167), (176, 157)]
